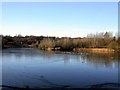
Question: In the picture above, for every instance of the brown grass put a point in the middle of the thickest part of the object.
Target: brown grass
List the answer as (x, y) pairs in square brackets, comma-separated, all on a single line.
[(96, 50)]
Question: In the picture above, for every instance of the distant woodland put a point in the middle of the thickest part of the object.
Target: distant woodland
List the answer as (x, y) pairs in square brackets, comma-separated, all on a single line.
[(98, 40)]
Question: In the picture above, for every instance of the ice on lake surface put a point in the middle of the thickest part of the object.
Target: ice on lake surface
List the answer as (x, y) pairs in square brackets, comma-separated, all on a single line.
[(34, 68)]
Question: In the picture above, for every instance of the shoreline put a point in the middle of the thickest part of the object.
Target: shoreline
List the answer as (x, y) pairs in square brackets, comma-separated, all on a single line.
[(95, 50), (85, 50), (76, 50)]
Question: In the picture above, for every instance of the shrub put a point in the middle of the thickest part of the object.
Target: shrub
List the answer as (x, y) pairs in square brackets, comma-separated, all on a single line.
[(46, 43), (113, 45)]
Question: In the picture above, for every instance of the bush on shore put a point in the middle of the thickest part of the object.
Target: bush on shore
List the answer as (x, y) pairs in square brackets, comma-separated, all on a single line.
[(46, 43)]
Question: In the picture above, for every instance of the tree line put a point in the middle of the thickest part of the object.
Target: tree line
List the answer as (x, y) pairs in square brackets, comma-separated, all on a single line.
[(98, 40)]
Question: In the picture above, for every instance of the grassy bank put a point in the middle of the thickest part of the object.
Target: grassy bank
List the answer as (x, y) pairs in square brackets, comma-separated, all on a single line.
[(79, 50), (94, 50)]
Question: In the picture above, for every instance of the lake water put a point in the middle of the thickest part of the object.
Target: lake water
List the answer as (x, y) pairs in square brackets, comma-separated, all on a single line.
[(34, 68)]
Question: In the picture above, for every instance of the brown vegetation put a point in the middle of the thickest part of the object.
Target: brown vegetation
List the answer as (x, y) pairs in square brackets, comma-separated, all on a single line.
[(101, 42), (94, 50)]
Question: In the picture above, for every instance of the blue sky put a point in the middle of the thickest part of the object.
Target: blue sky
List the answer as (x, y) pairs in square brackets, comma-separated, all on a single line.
[(72, 19)]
